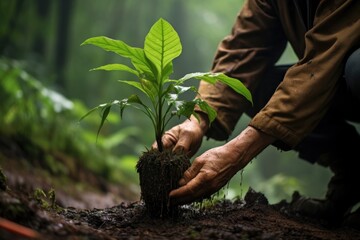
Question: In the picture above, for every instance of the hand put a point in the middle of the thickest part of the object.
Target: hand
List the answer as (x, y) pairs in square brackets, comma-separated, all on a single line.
[(214, 168), (187, 136), (208, 174)]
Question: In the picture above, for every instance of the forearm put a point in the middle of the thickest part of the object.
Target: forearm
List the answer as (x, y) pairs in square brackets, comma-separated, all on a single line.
[(248, 144)]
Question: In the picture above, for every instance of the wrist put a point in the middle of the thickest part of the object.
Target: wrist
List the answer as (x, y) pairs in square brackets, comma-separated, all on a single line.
[(202, 120), (250, 142)]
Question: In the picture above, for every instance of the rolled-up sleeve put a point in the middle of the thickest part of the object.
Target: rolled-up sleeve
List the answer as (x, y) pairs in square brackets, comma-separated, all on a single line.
[(306, 92), (256, 42)]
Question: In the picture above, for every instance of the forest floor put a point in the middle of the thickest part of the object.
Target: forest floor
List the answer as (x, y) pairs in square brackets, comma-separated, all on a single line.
[(84, 207)]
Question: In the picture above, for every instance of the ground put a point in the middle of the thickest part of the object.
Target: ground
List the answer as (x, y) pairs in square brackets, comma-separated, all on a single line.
[(33, 205)]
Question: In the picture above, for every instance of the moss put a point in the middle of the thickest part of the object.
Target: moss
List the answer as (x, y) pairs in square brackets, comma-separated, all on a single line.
[(46, 201)]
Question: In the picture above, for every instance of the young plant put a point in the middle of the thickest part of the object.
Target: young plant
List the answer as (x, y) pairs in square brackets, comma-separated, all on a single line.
[(152, 67)]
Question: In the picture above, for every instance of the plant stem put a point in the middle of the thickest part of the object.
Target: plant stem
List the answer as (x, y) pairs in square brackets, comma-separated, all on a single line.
[(159, 127)]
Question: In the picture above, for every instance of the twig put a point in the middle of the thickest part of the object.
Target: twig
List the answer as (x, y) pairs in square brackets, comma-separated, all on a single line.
[(18, 229)]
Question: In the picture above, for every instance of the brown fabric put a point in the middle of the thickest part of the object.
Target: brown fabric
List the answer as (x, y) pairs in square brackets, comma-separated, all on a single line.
[(257, 40)]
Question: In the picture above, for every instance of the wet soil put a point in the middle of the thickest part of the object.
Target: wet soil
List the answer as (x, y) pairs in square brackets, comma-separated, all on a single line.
[(115, 212), (159, 173)]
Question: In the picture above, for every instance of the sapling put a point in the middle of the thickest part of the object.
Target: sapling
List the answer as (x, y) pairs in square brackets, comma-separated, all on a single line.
[(159, 169)]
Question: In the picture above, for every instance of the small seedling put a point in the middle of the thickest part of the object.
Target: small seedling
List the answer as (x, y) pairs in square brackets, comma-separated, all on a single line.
[(152, 67)]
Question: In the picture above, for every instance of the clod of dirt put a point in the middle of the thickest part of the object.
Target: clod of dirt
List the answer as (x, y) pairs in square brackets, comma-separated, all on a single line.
[(159, 173), (253, 197)]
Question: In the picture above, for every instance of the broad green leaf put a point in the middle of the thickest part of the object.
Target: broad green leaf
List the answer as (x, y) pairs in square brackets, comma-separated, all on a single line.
[(176, 89), (162, 45), (207, 109), (196, 75), (184, 108), (209, 77), (116, 67), (150, 88), (183, 89), (136, 55), (235, 84), (167, 71)]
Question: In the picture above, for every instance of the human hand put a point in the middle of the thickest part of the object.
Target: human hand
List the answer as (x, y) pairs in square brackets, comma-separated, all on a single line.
[(207, 174), (214, 168), (185, 137)]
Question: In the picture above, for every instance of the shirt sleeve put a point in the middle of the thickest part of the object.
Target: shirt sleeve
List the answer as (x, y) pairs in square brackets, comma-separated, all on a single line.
[(256, 42), (306, 92)]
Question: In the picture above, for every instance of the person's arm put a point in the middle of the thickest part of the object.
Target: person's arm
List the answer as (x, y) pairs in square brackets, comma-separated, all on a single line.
[(255, 44), (306, 93), (214, 168)]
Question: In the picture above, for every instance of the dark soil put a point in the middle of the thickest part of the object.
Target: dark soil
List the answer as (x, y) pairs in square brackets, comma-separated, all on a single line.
[(115, 212), (159, 173)]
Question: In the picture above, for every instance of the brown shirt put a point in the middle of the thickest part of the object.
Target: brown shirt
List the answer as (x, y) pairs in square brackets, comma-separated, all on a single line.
[(258, 38)]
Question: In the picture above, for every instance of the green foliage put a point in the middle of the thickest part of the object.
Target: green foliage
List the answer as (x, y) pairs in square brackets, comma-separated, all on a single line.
[(46, 200), (28, 108), (153, 66), (280, 187), (45, 125)]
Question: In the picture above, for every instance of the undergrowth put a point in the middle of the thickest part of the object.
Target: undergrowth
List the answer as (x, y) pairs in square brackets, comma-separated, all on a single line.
[(43, 124)]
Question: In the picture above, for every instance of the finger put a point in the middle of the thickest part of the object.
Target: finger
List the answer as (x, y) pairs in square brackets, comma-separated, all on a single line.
[(182, 145), (169, 140), (154, 145), (191, 172), (182, 195), (194, 190)]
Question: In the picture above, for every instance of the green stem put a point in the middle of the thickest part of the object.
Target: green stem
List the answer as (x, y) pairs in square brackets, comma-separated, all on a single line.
[(159, 129)]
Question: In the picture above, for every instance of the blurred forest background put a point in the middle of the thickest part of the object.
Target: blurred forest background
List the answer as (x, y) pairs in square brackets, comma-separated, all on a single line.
[(46, 86)]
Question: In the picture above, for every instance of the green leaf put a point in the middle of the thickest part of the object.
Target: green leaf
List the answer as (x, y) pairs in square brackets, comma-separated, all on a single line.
[(130, 101), (209, 77), (167, 71), (207, 109), (183, 89), (89, 112), (135, 99), (197, 75), (185, 108), (134, 84), (150, 88), (235, 84), (105, 109), (136, 55), (105, 113), (117, 67), (162, 45)]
